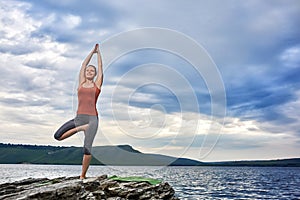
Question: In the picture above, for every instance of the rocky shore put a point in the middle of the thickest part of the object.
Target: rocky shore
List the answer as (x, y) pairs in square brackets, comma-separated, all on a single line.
[(71, 188)]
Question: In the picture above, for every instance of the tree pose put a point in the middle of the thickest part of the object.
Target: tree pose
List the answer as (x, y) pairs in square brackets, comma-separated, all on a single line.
[(87, 116)]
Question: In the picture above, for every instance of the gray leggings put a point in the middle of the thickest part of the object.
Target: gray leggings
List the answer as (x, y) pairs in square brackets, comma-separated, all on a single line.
[(90, 133)]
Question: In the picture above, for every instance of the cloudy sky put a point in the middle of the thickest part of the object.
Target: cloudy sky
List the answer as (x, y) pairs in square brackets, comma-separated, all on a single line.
[(155, 99)]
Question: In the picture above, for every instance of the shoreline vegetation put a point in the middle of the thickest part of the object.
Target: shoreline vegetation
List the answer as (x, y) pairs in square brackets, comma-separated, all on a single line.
[(120, 155)]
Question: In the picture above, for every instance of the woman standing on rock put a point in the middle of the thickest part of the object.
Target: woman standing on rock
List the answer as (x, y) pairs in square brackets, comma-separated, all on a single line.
[(87, 116)]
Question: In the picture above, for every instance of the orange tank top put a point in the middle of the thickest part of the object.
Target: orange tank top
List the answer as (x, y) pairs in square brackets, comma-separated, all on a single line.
[(87, 99)]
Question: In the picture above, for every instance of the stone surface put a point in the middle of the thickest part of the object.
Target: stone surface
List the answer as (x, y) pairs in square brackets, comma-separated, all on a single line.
[(92, 188)]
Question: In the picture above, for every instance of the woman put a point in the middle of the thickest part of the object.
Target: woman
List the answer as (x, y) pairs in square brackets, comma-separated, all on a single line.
[(87, 116)]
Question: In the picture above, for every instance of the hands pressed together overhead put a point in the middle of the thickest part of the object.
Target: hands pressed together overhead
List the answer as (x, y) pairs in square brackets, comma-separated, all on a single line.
[(96, 49)]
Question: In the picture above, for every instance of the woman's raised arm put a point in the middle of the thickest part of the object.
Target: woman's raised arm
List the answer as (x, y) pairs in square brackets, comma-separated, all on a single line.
[(86, 61), (99, 79)]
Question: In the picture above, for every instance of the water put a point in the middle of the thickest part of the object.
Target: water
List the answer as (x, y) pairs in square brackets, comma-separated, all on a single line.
[(188, 182)]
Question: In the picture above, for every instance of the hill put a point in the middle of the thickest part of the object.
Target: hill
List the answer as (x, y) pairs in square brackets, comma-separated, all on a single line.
[(291, 162), (114, 155), (102, 155)]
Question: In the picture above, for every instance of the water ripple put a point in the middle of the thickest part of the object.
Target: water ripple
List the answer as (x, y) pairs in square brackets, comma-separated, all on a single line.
[(189, 182)]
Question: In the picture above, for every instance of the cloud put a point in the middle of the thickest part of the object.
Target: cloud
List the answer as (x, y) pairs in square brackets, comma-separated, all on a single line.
[(291, 56), (62, 25), (75, 22), (156, 131), (38, 75), (262, 96), (246, 52), (16, 28)]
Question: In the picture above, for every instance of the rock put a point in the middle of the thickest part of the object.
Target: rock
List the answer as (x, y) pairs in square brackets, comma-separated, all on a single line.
[(92, 188)]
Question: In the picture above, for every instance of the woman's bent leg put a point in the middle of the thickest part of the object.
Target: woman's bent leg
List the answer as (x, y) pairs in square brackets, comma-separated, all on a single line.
[(64, 128), (73, 131), (68, 129)]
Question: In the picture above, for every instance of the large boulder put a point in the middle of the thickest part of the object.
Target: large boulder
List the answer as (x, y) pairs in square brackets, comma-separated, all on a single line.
[(92, 188)]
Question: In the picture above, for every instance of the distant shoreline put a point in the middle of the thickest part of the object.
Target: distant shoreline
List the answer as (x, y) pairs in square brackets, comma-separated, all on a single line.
[(208, 165), (120, 155)]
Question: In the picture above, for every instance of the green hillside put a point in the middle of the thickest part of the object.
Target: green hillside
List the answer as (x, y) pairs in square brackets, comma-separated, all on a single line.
[(16, 154), (103, 155), (292, 162), (114, 155)]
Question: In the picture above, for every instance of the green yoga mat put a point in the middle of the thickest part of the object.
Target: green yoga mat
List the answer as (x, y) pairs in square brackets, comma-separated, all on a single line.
[(136, 179)]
